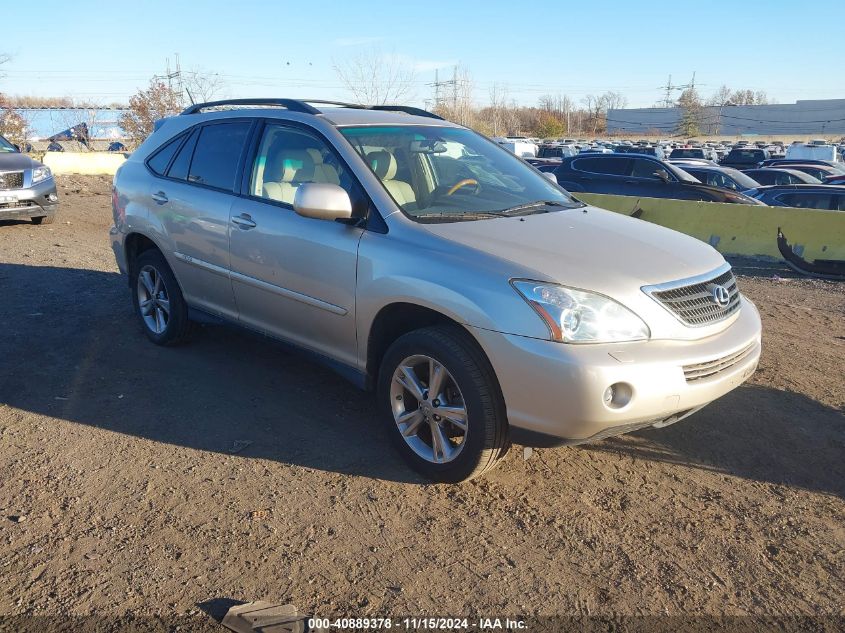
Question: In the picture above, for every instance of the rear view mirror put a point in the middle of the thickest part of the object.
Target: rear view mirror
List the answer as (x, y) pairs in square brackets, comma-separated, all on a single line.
[(662, 174), (322, 201), (551, 176), (428, 146)]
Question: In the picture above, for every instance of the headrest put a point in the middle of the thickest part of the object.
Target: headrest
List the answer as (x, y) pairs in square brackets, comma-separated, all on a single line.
[(297, 166), (383, 163), (316, 155)]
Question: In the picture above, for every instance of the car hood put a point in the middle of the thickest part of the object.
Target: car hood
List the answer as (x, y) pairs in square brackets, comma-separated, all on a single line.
[(586, 248), (12, 161)]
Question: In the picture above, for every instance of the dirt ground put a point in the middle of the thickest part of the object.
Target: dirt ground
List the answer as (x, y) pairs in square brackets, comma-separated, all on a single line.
[(140, 481)]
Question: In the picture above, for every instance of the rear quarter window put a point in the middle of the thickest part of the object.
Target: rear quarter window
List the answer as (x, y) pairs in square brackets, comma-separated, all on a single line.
[(159, 161)]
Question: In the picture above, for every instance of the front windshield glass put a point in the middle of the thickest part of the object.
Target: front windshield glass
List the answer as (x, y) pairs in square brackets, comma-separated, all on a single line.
[(743, 180), (442, 173), (680, 174), (6, 146)]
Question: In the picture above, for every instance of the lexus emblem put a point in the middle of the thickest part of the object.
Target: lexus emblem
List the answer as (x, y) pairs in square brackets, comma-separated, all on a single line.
[(720, 296)]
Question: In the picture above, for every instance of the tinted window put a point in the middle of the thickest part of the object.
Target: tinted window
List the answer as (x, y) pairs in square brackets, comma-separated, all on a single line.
[(687, 153), (645, 169), (179, 168), (746, 155), (812, 171), (161, 159), (610, 166), (216, 156), (806, 200)]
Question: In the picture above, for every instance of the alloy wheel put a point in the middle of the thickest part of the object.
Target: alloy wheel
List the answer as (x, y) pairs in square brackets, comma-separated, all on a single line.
[(429, 409), (153, 301)]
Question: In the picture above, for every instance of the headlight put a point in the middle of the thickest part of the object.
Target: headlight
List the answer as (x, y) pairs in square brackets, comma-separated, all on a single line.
[(41, 173), (576, 316)]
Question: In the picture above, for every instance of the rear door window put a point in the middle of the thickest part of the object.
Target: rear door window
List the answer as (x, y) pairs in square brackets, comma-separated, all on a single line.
[(807, 200), (645, 169), (610, 166), (217, 154)]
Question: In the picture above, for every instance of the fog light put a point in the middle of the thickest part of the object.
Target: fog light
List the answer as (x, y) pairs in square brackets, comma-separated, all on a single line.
[(617, 395)]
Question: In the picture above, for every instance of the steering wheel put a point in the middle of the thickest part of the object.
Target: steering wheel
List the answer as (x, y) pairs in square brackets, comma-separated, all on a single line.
[(466, 182)]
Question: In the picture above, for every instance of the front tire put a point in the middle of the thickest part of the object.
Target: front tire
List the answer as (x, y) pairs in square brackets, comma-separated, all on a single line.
[(158, 299), (44, 219), (440, 397)]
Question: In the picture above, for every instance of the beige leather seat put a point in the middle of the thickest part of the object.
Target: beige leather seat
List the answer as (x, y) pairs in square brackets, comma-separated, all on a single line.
[(383, 163), (297, 167), (322, 172)]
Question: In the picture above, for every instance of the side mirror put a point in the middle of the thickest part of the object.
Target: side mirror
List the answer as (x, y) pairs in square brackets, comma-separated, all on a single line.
[(551, 176), (663, 175), (322, 201)]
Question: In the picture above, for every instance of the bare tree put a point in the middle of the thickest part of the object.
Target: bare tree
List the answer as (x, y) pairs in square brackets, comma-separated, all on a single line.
[(498, 109), (156, 102), (376, 78), (201, 86), (614, 100)]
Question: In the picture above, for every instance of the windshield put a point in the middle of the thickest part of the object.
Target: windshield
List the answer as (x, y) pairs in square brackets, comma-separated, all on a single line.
[(443, 173), (746, 155), (687, 153), (743, 180), (680, 174), (6, 146)]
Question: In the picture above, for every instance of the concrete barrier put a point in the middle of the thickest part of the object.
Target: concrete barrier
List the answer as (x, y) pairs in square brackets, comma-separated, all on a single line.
[(93, 163), (738, 229)]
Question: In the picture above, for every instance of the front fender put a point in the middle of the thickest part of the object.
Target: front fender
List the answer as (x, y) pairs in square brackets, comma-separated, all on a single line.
[(470, 287)]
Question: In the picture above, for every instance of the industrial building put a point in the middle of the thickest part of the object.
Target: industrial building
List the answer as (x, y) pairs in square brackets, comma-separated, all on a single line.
[(822, 117)]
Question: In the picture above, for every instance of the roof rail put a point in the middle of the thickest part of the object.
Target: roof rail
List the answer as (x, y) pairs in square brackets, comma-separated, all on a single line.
[(406, 110), (303, 105), (291, 104), (385, 108)]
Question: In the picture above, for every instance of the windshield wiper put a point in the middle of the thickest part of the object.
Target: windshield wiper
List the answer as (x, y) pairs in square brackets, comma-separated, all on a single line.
[(529, 206), (457, 217)]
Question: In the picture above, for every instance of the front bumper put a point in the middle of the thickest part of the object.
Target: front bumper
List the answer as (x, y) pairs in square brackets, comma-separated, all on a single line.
[(555, 391), (39, 200)]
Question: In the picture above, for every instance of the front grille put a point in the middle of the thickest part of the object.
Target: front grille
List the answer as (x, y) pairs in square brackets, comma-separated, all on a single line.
[(693, 304), (710, 368), (11, 180), (18, 204)]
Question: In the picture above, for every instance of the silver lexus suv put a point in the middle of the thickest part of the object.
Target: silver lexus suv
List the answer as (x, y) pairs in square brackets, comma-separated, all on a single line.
[(480, 301)]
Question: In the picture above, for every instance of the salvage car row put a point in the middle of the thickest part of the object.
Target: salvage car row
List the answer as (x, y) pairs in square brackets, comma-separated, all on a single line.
[(746, 175)]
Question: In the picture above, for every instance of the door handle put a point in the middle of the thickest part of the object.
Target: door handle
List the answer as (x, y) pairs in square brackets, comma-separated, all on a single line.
[(244, 221), (160, 197)]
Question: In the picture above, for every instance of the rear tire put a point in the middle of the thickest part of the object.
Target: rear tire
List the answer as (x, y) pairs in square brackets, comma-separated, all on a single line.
[(157, 299), (426, 427), (44, 219)]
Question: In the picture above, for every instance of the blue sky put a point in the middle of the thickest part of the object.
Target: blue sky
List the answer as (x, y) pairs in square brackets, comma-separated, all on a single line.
[(106, 51)]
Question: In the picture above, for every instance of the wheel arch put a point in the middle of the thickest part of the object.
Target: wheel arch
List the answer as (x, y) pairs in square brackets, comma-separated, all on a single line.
[(398, 318), (136, 243)]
